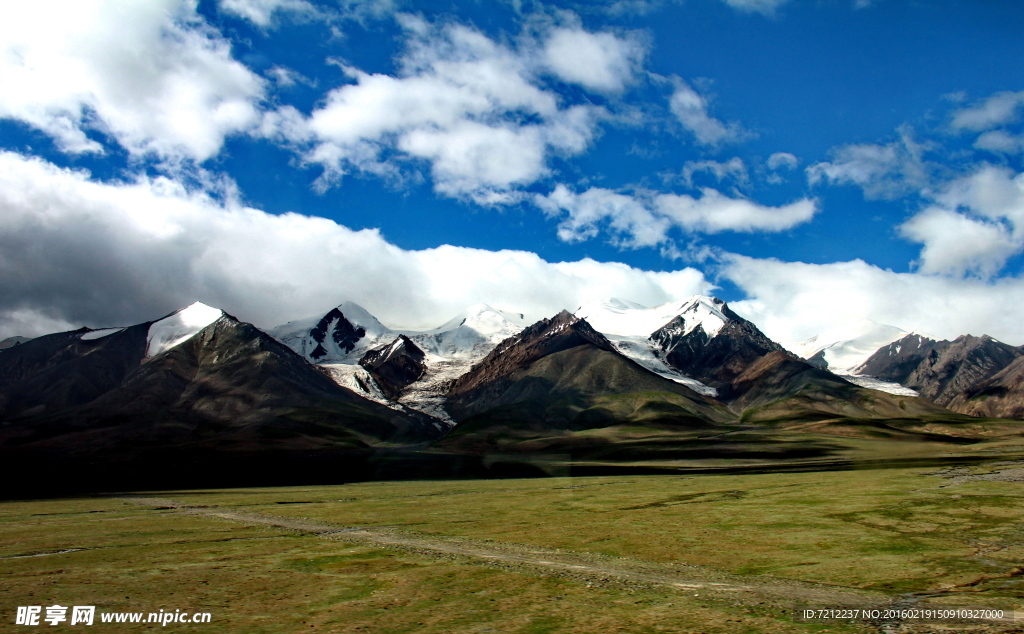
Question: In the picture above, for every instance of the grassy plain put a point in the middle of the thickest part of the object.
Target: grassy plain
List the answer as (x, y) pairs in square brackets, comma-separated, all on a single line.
[(890, 531)]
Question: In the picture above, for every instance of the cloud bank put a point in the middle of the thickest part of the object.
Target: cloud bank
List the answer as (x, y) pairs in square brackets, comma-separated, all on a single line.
[(75, 251)]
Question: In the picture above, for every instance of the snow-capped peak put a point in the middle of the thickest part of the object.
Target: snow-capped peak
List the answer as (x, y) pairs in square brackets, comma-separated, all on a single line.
[(705, 312), (846, 346), (342, 335), (359, 316), (482, 319), (624, 318), (471, 333), (179, 327)]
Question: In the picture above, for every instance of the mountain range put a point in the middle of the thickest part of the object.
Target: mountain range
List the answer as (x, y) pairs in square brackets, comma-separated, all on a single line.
[(613, 380)]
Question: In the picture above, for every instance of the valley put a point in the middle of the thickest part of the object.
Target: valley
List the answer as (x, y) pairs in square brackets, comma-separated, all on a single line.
[(713, 553)]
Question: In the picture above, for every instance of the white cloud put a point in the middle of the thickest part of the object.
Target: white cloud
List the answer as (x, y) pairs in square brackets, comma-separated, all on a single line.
[(958, 245), (764, 7), (469, 107), (80, 252), (714, 212), (996, 110), (691, 109), (733, 169), (601, 62), (153, 75), (261, 12), (882, 171), (1001, 142), (976, 225), (630, 221), (645, 220), (791, 301), (783, 160)]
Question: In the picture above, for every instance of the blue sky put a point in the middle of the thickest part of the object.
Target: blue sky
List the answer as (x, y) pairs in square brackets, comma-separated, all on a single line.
[(812, 162)]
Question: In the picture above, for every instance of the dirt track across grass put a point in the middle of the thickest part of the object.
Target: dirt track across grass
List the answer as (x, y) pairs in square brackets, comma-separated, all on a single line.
[(590, 568)]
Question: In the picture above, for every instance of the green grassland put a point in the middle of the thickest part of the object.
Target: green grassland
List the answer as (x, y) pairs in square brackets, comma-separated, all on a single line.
[(887, 531)]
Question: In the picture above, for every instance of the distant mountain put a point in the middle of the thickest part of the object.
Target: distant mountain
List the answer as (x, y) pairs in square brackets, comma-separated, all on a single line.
[(845, 347), (471, 334), (616, 381), (10, 342), (780, 387), (340, 341), (941, 371), (709, 342), (197, 382), (342, 335)]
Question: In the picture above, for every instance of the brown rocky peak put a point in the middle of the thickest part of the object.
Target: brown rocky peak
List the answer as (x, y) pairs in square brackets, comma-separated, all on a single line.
[(547, 336)]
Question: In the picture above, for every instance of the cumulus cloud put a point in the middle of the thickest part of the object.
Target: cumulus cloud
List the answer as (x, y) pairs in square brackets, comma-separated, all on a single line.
[(602, 62), (783, 160), (1001, 142), (792, 301), (882, 171), (975, 225), (733, 169), (152, 75), (467, 106), (261, 12), (630, 221), (957, 244), (645, 219), (714, 212), (692, 110), (994, 111), (75, 251)]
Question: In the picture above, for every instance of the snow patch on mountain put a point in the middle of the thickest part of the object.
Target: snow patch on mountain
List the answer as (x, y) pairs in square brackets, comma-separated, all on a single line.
[(619, 317), (628, 326), (847, 346), (179, 327), (639, 350), (339, 339), (100, 333), (469, 335), (357, 379), (882, 386)]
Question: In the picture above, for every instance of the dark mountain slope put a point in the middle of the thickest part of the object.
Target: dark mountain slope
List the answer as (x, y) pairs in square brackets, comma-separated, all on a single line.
[(55, 372), (10, 342), (230, 388)]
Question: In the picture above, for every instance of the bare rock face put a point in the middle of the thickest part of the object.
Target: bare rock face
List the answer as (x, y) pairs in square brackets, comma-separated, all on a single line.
[(343, 333), (547, 336), (941, 371), (396, 365), (1001, 396)]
